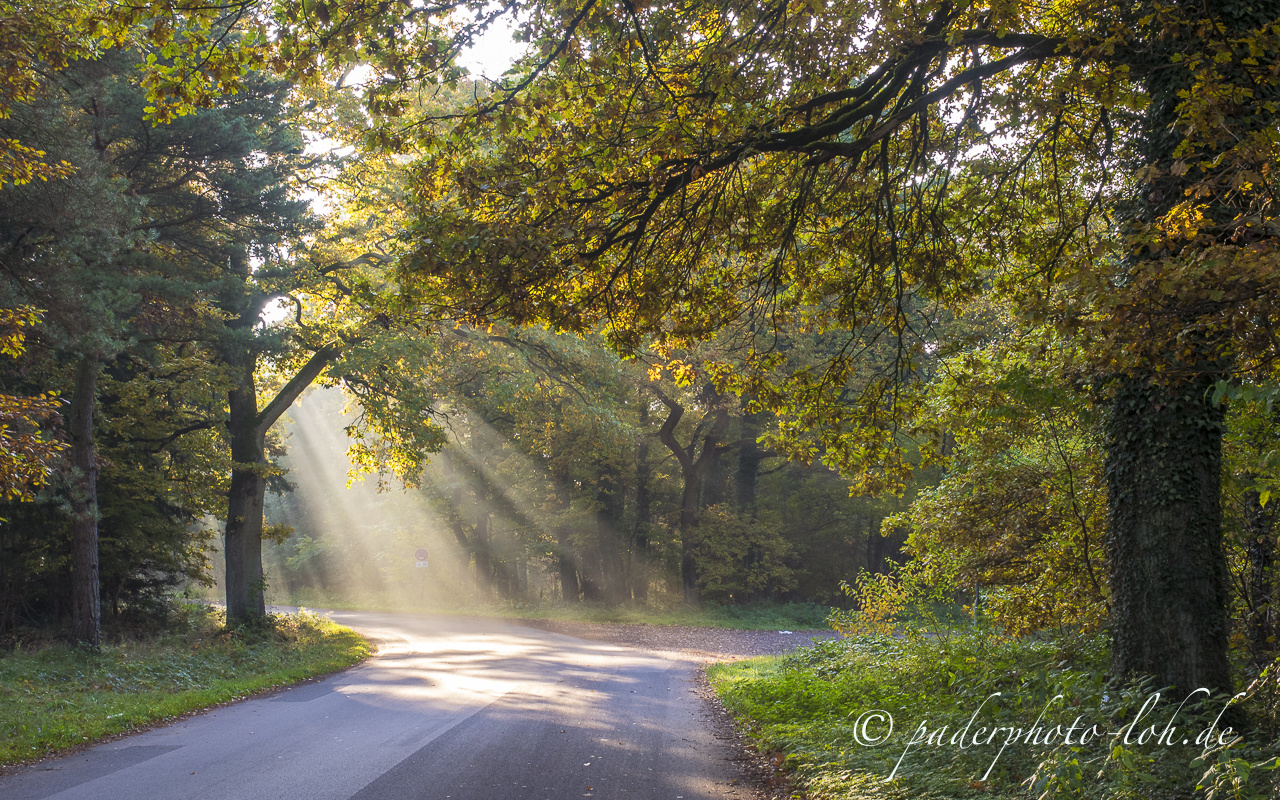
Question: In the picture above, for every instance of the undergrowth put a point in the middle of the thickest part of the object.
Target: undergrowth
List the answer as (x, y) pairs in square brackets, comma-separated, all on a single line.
[(829, 708)]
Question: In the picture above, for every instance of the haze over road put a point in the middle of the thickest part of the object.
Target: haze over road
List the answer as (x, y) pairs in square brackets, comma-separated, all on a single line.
[(450, 709)]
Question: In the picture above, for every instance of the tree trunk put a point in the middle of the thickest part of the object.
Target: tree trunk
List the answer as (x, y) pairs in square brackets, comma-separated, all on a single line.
[(1168, 570), (484, 563), (611, 509), (243, 541), (639, 571), (248, 428), (1164, 436), (694, 466), (454, 513), (875, 547), (566, 554), (86, 602), (1260, 523), (749, 457), (714, 485), (568, 571), (688, 518)]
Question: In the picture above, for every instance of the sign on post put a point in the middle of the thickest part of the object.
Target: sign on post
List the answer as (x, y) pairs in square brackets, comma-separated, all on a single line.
[(421, 555)]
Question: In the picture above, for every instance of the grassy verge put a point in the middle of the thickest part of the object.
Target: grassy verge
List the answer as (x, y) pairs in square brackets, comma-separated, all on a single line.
[(746, 616), (751, 616), (827, 709), (58, 697)]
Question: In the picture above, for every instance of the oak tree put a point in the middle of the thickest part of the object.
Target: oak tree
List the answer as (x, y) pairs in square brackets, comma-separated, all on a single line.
[(667, 168)]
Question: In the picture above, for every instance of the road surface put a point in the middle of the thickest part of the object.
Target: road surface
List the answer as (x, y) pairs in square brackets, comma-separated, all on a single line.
[(449, 709)]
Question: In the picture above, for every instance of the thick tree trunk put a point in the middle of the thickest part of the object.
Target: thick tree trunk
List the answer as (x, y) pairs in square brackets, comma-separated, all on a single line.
[(243, 540), (248, 428), (1164, 436), (86, 603), (1168, 570)]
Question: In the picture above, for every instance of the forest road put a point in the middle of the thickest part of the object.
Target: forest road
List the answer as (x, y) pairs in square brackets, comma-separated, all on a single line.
[(451, 708)]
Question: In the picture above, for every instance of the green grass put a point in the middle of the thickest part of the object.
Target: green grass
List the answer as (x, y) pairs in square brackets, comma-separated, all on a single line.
[(746, 616), (809, 706), (751, 616), (58, 696)]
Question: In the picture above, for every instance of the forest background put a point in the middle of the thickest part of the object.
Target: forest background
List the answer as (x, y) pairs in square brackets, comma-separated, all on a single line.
[(697, 302), (567, 473)]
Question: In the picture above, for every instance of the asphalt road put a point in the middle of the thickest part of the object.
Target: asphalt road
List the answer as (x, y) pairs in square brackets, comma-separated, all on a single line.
[(450, 709)]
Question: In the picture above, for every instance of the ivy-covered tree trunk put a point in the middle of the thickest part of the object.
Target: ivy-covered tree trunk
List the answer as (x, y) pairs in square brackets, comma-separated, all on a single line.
[(1164, 433), (1168, 570), (86, 607)]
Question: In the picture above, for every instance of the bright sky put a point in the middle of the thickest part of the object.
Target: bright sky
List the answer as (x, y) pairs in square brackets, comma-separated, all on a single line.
[(494, 53)]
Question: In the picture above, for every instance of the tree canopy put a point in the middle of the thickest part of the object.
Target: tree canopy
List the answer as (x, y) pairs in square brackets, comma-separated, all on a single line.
[(670, 169)]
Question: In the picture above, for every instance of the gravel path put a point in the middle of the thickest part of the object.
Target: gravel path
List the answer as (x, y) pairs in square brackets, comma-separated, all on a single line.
[(705, 645)]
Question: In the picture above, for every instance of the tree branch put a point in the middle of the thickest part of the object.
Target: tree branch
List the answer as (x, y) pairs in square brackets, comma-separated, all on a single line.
[(299, 382)]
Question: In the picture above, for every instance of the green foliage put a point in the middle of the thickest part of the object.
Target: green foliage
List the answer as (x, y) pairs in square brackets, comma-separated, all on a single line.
[(392, 379), (675, 170), (859, 172), (1020, 510), (740, 558), (54, 697), (131, 257), (555, 474), (831, 534), (150, 498), (26, 448), (916, 597)]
